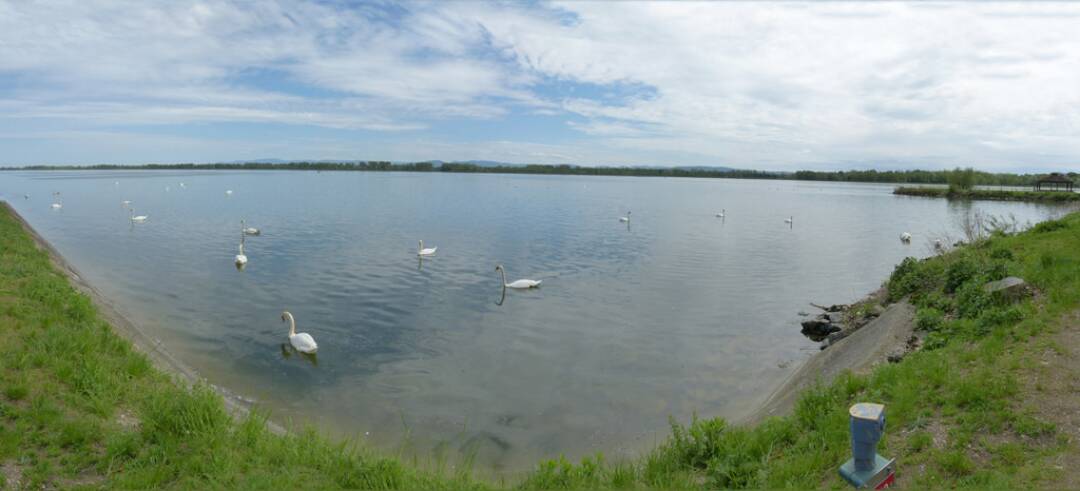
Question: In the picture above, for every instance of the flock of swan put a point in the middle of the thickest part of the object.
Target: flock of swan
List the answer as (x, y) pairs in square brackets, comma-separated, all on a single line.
[(304, 342)]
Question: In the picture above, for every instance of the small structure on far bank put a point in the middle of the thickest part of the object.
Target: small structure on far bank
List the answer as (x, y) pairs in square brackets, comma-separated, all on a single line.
[(1054, 182)]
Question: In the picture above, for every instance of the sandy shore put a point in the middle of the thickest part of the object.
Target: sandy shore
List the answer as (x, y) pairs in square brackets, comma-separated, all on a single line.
[(148, 345)]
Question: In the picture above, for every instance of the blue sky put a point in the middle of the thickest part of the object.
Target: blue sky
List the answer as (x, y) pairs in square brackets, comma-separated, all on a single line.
[(753, 85)]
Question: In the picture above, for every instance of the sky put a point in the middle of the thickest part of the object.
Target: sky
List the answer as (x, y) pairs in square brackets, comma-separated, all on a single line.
[(771, 86)]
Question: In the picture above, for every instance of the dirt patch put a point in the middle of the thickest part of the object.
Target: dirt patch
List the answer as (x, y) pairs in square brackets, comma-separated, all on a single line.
[(127, 420), (1052, 393), (12, 475)]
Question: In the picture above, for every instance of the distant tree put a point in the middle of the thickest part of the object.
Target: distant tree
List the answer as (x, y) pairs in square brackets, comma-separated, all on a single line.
[(961, 180)]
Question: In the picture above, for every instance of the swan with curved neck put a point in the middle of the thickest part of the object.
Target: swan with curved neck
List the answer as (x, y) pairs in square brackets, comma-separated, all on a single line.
[(430, 251), (519, 284), (241, 259), (248, 230), (303, 342)]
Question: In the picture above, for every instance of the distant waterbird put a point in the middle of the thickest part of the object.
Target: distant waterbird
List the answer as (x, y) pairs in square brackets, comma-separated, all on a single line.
[(905, 238), (302, 341), (139, 218), (625, 218), (518, 284), (248, 230), (721, 214), (26, 196), (429, 251), (790, 219), (228, 192), (58, 203), (183, 185)]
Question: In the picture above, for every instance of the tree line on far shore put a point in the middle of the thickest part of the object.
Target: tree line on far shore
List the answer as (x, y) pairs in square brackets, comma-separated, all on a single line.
[(963, 177)]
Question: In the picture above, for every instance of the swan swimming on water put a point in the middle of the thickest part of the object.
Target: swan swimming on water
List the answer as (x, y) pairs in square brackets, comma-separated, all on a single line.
[(625, 218), (248, 230), (721, 214), (57, 205), (303, 342), (137, 219), (520, 284), (228, 192), (430, 251), (790, 219), (241, 258), (905, 238)]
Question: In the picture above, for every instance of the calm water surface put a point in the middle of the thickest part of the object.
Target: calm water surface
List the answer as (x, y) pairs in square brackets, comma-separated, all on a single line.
[(677, 313)]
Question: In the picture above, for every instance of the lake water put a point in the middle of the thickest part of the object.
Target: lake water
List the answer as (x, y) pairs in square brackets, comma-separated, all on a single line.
[(676, 313)]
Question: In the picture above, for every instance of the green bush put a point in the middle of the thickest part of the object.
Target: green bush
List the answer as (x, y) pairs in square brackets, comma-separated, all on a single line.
[(913, 276), (960, 272), (1001, 253), (972, 300), (1049, 226), (929, 319)]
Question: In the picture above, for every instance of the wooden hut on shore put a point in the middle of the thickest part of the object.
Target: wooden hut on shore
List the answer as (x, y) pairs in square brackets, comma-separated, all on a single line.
[(1054, 182)]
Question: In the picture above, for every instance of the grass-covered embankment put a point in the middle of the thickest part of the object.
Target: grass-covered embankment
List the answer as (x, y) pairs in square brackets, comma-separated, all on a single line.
[(80, 407), (987, 194)]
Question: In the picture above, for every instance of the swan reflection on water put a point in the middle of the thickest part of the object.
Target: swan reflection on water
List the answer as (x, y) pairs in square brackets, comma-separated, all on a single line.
[(287, 352)]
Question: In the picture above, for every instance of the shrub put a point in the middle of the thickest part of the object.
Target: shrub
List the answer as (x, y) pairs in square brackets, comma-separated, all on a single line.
[(961, 180), (972, 299), (960, 272), (913, 276), (929, 319), (1002, 254), (1049, 226)]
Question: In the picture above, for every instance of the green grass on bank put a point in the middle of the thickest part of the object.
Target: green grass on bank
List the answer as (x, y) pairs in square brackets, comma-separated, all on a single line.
[(988, 194), (79, 407)]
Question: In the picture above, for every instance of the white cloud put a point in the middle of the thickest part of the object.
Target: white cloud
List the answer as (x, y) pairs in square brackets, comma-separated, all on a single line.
[(781, 85)]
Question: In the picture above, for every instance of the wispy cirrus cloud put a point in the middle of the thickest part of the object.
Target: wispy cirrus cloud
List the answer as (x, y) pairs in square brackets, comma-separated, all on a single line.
[(780, 85)]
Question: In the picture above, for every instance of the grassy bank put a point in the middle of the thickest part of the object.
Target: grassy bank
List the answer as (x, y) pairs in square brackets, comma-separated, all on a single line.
[(80, 407), (987, 194)]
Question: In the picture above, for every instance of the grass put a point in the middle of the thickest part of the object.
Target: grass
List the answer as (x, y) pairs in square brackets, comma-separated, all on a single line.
[(987, 194), (81, 408)]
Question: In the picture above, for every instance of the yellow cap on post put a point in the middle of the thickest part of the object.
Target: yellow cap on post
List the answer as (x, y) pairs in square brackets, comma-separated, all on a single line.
[(867, 411)]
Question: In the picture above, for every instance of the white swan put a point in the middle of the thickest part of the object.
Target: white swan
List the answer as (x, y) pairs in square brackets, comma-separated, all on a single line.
[(430, 251), (57, 205), (625, 218), (248, 230), (183, 185), (790, 219), (905, 238), (241, 259), (302, 341), (228, 192), (721, 214), (137, 219), (521, 284)]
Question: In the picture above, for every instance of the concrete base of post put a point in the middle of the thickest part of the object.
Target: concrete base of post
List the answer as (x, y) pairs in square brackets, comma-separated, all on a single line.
[(880, 477)]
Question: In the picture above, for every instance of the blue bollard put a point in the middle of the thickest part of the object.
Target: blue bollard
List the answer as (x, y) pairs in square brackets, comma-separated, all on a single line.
[(867, 469)]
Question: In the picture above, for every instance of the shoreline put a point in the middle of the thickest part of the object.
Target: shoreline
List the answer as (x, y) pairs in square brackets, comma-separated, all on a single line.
[(153, 348)]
